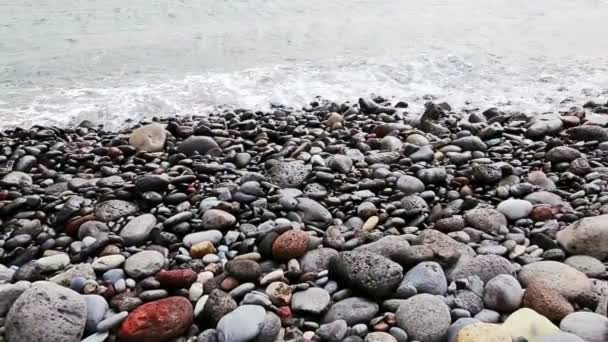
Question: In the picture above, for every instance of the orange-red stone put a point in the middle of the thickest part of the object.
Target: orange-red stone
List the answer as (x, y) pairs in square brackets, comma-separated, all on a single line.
[(182, 278), (291, 244), (158, 321)]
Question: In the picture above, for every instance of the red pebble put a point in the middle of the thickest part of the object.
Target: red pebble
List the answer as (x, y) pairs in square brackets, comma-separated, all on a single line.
[(541, 213), (71, 228), (158, 321), (176, 278), (229, 283), (284, 312), (290, 245)]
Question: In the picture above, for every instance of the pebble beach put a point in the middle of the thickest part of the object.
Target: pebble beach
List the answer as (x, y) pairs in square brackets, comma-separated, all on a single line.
[(339, 222)]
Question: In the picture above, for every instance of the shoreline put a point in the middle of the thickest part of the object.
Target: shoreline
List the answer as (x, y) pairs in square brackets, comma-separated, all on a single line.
[(339, 222)]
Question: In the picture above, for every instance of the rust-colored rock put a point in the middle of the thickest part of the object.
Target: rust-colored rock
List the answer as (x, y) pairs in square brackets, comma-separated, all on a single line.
[(181, 278), (71, 228), (542, 213), (291, 244), (158, 321), (547, 301), (229, 283)]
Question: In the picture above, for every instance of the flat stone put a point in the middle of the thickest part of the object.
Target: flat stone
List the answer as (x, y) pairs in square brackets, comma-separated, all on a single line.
[(138, 230), (427, 277), (409, 185), (317, 260), (214, 236), (515, 209), (199, 144), (148, 138), (485, 267), (486, 220), (144, 264), (313, 300), (353, 310), (589, 326), (17, 178), (114, 209), (565, 279)]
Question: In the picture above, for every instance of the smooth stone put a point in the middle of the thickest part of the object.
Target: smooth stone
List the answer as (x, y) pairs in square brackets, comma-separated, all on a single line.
[(541, 125), (485, 267), (313, 213), (157, 321), (317, 260), (427, 277), (340, 163), (588, 236), (148, 138), (503, 293), (108, 262), (459, 325), (218, 219), (379, 336), (241, 325), (589, 326), (46, 312), (96, 310), (144, 264), (392, 247), (333, 332), (562, 154), (565, 279), (478, 332), (591, 266), (560, 337), (529, 324), (138, 230), (313, 300), (409, 185), (515, 209), (215, 236), (353, 310), (432, 326), (270, 328), (112, 321), (544, 197), (17, 179), (53, 263), (199, 144)]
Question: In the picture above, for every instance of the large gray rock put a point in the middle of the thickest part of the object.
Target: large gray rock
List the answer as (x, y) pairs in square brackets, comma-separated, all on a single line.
[(313, 300), (425, 318), (427, 277), (17, 178), (148, 138), (114, 209), (541, 125), (241, 325), (544, 197), (287, 174), (218, 219), (485, 267), (589, 326), (199, 144), (138, 229), (446, 249), (270, 328), (371, 273), (191, 239), (565, 279), (9, 294), (409, 185), (503, 293), (562, 154), (47, 312), (485, 219), (313, 213), (353, 310), (144, 263), (589, 265), (317, 260), (588, 236)]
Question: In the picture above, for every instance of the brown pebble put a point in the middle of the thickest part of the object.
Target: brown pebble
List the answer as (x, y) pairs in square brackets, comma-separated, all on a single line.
[(291, 244), (201, 249), (547, 301)]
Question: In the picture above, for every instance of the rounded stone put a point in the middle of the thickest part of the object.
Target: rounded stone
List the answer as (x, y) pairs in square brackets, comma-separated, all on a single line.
[(591, 266), (138, 230), (96, 310), (313, 300), (587, 236), (485, 267), (144, 263), (529, 324), (317, 260), (427, 277), (515, 209), (503, 293), (218, 219), (148, 138), (409, 185), (487, 220), (353, 310), (241, 325), (371, 273), (201, 249), (288, 174), (589, 326), (560, 337), (114, 209), (379, 336), (565, 279), (46, 312), (198, 144), (562, 154), (158, 321), (291, 244), (547, 301), (179, 278), (478, 332), (425, 318), (244, 270)]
